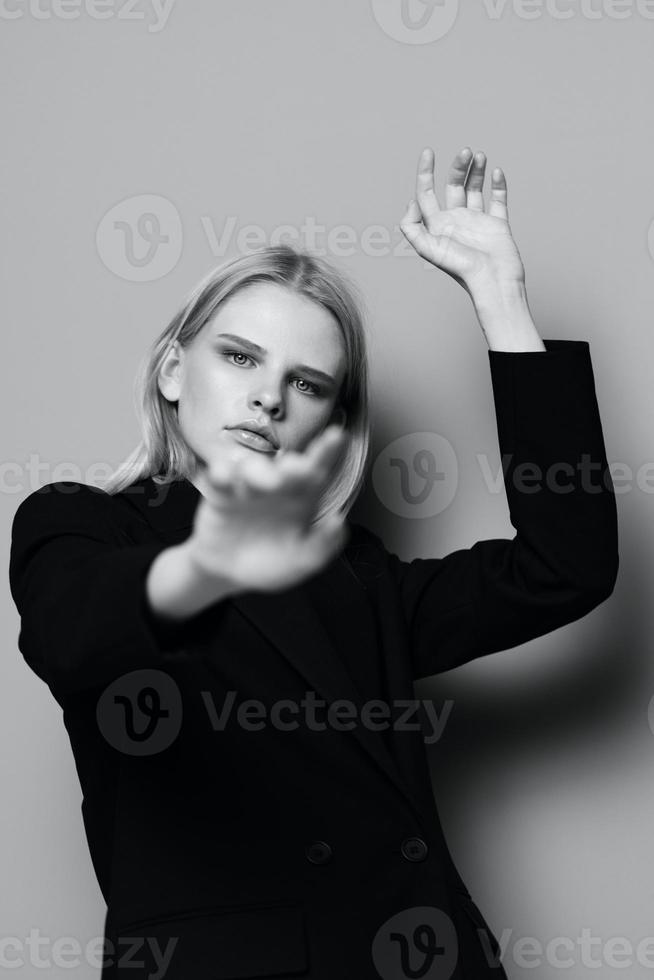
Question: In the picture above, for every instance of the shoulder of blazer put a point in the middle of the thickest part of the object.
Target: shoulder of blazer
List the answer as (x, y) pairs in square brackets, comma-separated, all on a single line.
[(60, 502), (64, 500), (72, 507), (55, 510), (68, 507), (76, 501)]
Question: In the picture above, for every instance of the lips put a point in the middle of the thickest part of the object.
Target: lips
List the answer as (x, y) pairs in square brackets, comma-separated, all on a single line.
[(257, 427), (251, 439), (246, 428)]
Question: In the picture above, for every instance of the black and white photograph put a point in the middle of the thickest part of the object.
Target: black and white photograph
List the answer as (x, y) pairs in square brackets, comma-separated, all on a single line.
[(327, 490)]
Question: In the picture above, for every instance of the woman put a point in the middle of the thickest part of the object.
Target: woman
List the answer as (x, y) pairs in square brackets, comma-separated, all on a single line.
[(217, 632)]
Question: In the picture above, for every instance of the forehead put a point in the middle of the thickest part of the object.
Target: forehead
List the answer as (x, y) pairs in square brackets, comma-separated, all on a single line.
[(273, 304)]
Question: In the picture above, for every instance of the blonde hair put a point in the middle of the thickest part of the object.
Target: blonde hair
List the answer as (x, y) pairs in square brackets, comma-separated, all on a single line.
[(164, 454)]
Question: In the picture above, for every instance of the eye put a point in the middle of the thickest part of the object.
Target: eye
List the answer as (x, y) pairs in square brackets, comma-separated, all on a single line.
[(313, 389), (237, 353)]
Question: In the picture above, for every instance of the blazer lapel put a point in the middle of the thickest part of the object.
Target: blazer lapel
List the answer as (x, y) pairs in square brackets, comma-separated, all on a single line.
[(291, 623)]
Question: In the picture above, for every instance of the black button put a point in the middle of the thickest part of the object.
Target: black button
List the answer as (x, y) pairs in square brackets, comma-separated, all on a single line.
[(414, 849), (318, 852)]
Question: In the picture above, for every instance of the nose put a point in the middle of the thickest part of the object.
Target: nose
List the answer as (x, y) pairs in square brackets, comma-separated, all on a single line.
[(268, 401)]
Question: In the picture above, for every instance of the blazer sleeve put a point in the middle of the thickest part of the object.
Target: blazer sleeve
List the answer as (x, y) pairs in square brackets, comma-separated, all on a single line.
[(79, 587), (563, 560)]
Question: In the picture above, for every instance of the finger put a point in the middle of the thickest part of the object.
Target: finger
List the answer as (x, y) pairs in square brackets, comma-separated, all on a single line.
[(425, 192), (455, 188), (222, 474), (216, 491), (498, 195), (326, 447), (430, 245), (413, 229), (323, 455), (299, 468), (331, 436), (260, 474), (475, 182)]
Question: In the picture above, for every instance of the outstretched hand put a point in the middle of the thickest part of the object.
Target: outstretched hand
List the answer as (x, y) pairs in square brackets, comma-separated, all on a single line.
[(256, 525), (472, 245)]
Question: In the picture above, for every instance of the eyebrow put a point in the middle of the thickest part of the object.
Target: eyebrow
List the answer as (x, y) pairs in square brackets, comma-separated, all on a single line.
[(256, 349)]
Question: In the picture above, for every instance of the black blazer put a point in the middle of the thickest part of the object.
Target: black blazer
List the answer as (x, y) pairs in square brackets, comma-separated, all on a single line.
[(277, 848)]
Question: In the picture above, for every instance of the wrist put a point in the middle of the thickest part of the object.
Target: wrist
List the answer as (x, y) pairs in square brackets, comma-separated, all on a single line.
[(200, 578), (504, 316)]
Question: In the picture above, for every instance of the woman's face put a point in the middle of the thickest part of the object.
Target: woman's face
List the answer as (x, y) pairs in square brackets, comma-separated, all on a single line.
[(219, 381)]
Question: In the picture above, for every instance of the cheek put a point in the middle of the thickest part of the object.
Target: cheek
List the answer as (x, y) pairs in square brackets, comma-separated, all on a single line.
[(313, 420), (195, 399), (201, 388)]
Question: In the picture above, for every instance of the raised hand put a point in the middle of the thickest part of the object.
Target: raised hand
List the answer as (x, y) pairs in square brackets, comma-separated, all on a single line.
[(255, 523), (472, 245)]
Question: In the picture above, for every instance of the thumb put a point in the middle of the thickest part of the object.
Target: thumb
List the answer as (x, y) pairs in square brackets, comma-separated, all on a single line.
[(413, 229)]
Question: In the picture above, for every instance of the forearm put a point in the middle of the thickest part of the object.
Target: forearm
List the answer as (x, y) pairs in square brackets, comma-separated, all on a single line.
[(177, 588), (505, 318), (556, 473)]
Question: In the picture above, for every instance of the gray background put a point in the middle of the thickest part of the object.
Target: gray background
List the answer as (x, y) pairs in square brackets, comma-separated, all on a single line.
[(261, 113)]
